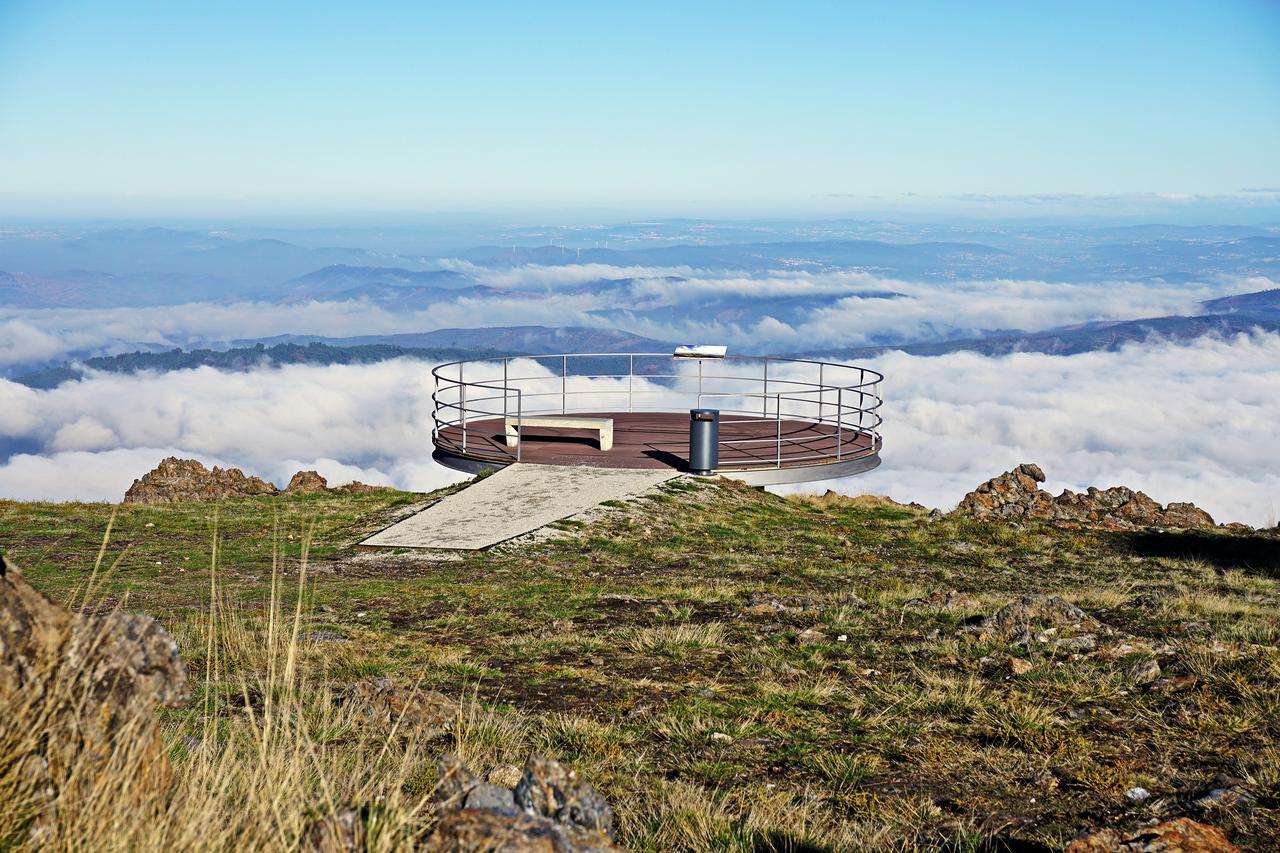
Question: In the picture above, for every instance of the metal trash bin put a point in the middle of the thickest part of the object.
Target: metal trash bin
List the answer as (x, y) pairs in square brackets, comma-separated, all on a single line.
[(704, 441)]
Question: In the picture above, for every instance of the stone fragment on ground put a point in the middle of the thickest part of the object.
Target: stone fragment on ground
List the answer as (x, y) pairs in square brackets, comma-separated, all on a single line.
[(119, 667), (548, 809), (425, 714), (1180, 835), (1017, 494)]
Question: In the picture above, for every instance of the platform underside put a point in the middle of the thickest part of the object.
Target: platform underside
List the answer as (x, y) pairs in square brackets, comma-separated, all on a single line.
[(661, 440)]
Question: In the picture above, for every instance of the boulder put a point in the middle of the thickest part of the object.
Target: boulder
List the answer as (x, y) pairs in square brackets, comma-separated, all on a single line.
[(550, 789), (551, 809), (1180, 835), (1017, 494), (426, 714), (177, 479), (79, 690), (305, 483)]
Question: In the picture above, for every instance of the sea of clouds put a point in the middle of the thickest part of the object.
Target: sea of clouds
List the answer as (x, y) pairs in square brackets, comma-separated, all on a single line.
[(1180, 421)]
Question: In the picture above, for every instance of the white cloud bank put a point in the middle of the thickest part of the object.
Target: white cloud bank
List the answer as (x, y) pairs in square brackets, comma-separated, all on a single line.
[(1190, 422), (1181, 422)]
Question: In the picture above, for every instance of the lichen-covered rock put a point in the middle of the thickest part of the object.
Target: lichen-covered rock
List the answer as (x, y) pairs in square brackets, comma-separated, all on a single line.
[(551, 809), (1180, 835), (306, 483), (550, 789), (1014, 494), (177, 479), (1017, 494), (80, 683), (424, 713)]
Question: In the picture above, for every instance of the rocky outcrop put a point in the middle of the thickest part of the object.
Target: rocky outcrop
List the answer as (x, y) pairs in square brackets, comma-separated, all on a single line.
[(77, 689), (1180, 834), (306, 483), (1017, 494), (550, 809), (177, 479)]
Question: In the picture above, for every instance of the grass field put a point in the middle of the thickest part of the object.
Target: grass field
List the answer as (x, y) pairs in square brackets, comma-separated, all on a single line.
[(731, 669)]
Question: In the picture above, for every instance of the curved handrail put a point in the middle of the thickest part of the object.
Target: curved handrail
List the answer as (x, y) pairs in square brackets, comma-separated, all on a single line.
[(458, 400)]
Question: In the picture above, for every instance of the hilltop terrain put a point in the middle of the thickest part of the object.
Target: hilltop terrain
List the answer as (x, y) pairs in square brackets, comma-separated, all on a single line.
[(730, 669)]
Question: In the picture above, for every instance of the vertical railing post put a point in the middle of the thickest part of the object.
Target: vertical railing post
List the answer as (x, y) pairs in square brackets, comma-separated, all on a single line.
[(839, 422), (822, 394), (564, 380), (765, 393), (631, 379), (519, 423), (777, 409), (504, 392), (699, 383), (462, 405)]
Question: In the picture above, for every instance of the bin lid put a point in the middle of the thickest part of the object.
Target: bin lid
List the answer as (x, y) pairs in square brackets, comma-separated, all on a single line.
[(704, 414)]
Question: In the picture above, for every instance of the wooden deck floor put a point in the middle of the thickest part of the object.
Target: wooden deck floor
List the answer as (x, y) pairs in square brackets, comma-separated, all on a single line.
[(661, 440)]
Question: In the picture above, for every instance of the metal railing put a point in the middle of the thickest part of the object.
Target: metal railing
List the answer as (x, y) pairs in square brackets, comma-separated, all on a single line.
[(843, 400)]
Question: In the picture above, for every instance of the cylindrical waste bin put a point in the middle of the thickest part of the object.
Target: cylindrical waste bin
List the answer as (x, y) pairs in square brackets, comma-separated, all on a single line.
[(704, 440)]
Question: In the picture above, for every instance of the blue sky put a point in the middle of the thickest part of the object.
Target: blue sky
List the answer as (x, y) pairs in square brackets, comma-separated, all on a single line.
[(710, 109)]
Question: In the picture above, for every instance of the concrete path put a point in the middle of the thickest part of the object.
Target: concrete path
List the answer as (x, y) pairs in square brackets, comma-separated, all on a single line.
[(514, 501)]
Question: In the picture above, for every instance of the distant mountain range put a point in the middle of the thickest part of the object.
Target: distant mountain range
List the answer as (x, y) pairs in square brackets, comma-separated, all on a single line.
[(1228, 315), (236, 359), (440, 345), (506, 339), (165, 266)]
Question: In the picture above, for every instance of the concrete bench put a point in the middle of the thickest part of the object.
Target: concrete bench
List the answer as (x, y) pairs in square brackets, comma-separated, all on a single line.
[(604, 425)]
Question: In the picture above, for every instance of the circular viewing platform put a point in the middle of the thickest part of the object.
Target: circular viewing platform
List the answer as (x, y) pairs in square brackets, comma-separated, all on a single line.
[(782, 420)]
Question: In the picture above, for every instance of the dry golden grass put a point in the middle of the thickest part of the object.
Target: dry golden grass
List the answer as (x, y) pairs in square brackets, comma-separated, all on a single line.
[(248, 770)]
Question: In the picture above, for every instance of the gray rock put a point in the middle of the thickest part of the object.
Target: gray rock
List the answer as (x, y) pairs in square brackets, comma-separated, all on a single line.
[(454, 781), (486, 796), (550, 789), (1081, 644)]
